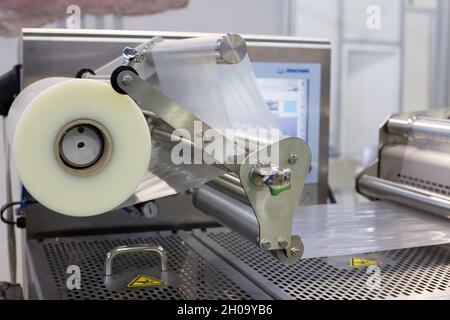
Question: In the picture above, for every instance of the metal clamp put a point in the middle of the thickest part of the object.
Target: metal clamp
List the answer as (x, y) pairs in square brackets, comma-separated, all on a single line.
[(134, 248)]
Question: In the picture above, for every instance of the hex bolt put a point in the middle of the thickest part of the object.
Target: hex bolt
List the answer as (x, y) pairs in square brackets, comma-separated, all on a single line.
[(129, 53), (266, 244), (283, 243), (292, 158), (295, 251)]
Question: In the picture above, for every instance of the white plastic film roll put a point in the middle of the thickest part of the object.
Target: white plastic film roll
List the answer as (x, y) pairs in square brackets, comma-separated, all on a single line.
[(80, 148)]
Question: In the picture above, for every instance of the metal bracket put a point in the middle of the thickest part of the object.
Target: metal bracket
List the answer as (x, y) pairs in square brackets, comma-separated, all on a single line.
[(275, 211), (291, 254)]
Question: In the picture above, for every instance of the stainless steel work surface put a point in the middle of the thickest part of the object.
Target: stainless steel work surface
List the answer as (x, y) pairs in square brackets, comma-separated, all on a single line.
[(413, 273), (333, 230), (199, 273), (219, 264)]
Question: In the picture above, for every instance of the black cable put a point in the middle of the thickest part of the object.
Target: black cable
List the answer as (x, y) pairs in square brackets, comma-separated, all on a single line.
[(5, 207), (331, 195)]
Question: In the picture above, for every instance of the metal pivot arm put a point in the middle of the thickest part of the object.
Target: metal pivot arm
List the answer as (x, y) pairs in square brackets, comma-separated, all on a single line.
[(275, 195), (152, 100)]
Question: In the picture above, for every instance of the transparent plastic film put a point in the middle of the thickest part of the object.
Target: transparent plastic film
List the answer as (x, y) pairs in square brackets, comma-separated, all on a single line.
[(224, 96)]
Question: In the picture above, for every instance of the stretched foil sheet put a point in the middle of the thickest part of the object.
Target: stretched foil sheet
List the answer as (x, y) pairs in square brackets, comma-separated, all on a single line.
[(225, 96), (336, 230)]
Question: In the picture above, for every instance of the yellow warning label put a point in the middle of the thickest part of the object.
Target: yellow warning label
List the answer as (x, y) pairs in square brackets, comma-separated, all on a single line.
[(145, 281), (358, 262)]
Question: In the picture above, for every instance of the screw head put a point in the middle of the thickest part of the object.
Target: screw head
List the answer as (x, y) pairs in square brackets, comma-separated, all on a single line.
[(295, 251), (292, 158), (283, 243), (266, 244), (129, 53), (126, 80)]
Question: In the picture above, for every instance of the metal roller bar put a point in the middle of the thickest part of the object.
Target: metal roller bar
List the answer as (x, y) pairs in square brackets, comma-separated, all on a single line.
[(229, 48), (420, 127), (96, 77), (228, 211), (410, 196), (230, 185)]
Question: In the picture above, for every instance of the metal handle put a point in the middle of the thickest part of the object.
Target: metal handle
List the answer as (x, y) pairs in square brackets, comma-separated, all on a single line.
[(134, 248)]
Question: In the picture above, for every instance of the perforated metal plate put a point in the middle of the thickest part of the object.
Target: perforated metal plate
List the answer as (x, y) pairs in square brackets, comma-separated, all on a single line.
[(421, 272), (202, 274), (225, 266), (424, 184)]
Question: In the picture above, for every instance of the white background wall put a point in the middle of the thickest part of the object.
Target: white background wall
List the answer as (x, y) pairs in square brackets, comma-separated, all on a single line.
[(418, 41), (374, 72)]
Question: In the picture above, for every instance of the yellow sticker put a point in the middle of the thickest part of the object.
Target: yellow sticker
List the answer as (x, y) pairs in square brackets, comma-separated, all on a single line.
[(145, 281), (358, 262)]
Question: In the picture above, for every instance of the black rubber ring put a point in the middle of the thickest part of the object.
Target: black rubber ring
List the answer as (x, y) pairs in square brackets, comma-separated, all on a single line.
[(115, 74), (81, 72)]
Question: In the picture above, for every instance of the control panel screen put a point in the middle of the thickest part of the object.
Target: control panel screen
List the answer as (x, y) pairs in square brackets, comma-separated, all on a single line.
[(292, 94)]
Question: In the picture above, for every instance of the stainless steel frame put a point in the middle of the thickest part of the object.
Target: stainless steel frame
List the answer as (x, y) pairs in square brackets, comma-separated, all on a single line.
[(413, 164)]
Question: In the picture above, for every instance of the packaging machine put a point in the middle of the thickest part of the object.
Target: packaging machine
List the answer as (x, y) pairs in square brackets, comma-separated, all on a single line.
[(214, 240)]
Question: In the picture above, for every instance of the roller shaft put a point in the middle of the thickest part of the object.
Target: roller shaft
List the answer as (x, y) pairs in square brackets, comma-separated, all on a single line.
[(229, 211), (422, 127), (406, 195)]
